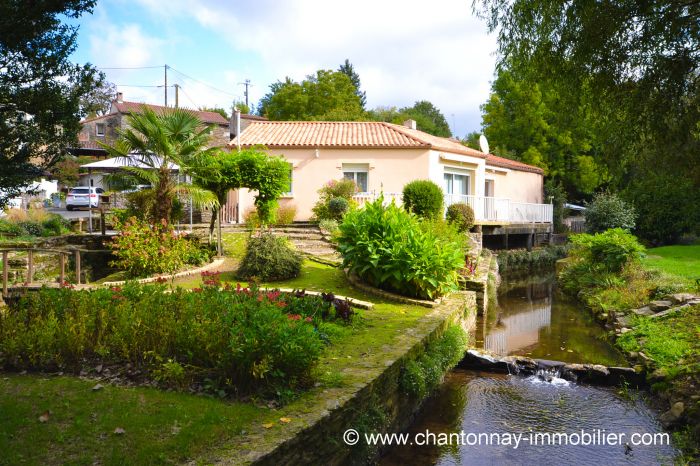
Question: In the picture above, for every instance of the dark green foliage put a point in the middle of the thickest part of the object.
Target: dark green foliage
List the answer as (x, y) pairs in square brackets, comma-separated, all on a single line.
[(624, 81), (40, 89), (334, 189), (240, 338), (269, 258), (421, 375), (389, 248), (516, 259), (667, 207), (347, 69), (424, 198), (608, 210), (461, 215)]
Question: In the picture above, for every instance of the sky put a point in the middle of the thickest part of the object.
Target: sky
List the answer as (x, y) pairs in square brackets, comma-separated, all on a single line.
[(403, 51)]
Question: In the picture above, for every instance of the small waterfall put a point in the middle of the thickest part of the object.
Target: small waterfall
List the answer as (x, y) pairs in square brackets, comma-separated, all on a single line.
[(551, 375)]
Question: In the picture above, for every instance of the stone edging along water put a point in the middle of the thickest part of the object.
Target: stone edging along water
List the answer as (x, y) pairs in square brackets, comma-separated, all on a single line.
[(594, 374), (316, 434)]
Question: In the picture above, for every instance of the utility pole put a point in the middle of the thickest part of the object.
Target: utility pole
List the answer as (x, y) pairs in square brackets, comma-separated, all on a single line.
[(246, 83), (165, 87), (177, 95)]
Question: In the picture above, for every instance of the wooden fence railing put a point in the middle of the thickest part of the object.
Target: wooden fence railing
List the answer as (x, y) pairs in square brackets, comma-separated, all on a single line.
[(62, 255)]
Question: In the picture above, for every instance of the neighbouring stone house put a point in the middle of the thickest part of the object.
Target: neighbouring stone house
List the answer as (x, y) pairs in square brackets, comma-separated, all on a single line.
[(105, 129)]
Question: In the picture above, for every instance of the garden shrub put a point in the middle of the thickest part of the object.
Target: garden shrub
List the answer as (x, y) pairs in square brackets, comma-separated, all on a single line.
[(284, 215), (238, 337), (269, 258), (251, 219), (424, 198), (337, 207), (142, 249), (334, 189), (604, 270), (389, 248), (612, 249), (328, 226), (33, 222), (608, 210), (461, 215)]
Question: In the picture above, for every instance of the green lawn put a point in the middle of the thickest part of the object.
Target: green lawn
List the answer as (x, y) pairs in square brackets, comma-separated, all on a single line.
[(167, 427), (681, 262)]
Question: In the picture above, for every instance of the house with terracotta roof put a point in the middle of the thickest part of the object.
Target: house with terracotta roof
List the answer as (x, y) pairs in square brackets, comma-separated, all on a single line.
[(383, 157)]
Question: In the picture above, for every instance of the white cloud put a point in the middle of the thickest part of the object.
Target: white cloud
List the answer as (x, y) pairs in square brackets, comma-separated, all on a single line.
[(403, 50)]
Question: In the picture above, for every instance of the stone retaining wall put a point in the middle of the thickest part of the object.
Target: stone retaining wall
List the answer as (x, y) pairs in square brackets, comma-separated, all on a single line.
[(377, 405)]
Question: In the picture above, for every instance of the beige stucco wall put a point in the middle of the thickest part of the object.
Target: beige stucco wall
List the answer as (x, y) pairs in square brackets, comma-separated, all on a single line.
[(389, 171), (516, 185)]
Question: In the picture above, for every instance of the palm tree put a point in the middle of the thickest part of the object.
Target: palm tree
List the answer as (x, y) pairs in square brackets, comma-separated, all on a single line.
[(156, 146)]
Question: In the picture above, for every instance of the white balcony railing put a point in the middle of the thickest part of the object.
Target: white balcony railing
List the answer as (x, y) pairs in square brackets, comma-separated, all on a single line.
[(496, 209), (486, 209)]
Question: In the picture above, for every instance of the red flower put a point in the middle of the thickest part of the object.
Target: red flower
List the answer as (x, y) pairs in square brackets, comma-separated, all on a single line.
[(281, 304), (196, 290), (294, 317), (308, 319)]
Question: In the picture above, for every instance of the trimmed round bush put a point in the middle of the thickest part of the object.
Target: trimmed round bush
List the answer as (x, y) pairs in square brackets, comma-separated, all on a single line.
[(461, 215), (337, 207), (424, 198), (269, 258)]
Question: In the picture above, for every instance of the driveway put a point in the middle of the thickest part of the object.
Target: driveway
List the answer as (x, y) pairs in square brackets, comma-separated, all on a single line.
[(73, 215)]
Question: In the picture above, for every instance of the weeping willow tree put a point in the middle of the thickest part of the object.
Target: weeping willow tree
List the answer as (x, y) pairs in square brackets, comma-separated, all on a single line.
[(158, 146)]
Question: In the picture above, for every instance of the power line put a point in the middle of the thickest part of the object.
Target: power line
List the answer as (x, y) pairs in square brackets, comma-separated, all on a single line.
[(138, 85), (128, 67), (189, 98), (202, 82)]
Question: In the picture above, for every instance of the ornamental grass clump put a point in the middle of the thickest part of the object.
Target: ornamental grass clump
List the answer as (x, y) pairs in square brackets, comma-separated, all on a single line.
[(389, 248), (270, 258)]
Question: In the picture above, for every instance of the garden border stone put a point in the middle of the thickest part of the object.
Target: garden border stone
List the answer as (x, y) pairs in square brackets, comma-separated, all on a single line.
[(185, 273)]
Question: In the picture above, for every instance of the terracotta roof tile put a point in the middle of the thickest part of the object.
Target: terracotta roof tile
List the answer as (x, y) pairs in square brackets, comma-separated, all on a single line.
[(367, 134), (135, 107), (497, 161)]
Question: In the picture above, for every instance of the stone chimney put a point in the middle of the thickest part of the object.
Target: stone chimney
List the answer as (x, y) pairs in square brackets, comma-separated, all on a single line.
[(411, 124), (120, 97)]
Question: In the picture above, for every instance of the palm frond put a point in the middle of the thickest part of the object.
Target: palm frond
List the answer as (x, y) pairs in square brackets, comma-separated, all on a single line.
[(200, 197)]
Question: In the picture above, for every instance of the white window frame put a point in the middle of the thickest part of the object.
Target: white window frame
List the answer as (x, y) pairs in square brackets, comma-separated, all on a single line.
[(356, 168), (97, 129), (458, 172)]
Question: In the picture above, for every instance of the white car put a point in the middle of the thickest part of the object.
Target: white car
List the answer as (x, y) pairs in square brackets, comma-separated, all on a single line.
[(83, 196)]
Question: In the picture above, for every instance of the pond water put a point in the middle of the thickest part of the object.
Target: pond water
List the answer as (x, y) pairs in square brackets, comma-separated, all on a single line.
[(481, 403), (531, 318)]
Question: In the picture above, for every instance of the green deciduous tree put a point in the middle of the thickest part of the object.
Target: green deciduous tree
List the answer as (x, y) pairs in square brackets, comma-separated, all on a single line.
[(40, 89), (327, 95), (428, 117), (635, 66), (220, 171), (159, 142)]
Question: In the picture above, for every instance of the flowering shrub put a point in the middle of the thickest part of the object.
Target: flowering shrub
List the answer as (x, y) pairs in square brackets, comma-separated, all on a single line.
[(241, 338), (143, 249), (335, 200)]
